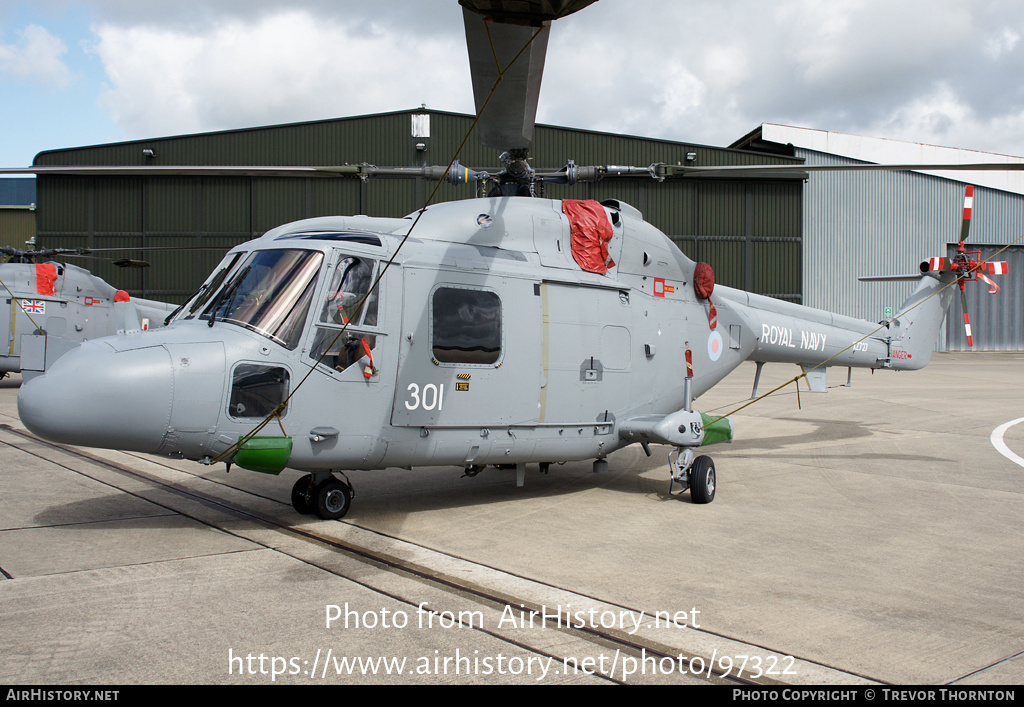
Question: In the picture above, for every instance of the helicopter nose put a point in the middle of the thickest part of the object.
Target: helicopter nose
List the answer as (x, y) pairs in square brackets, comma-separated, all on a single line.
[(97, 396)]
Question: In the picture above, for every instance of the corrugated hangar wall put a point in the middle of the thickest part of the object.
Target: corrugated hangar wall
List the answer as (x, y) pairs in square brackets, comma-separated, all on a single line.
[(748, 229), (17, 226), (887, 223)]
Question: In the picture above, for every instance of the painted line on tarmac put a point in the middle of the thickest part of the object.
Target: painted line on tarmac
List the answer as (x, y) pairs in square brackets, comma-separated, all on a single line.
[(997, 441)]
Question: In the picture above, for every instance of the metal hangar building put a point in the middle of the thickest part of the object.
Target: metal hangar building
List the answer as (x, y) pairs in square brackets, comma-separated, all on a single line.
[(800, 236), (747, 227)]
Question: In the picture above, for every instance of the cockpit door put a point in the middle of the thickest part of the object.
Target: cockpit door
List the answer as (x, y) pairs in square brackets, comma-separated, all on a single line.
[(347, 328)]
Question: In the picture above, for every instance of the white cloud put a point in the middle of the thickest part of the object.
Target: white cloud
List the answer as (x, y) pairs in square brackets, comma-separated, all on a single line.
[(947, 68), (36, 57), (278, 67), (1004, 43), (700, 72), (942, 117)]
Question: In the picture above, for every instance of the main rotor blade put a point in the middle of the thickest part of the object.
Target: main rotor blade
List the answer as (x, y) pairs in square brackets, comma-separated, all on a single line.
[(507, 42), (890, 278), (184, 171), (506, 79), (658, 171), (121, 262), (525, 12), (86, 251), (670, 171)]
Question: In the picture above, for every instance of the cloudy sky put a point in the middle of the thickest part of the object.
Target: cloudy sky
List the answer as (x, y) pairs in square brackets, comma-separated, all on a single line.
[(945, 72)]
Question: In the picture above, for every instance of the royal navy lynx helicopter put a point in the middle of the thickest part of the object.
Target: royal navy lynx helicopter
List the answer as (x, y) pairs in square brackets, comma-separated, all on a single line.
[(49, 307), (506, 330)]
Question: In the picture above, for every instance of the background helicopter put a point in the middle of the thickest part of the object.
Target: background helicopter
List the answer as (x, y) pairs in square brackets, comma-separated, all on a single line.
[(50, 307), (508, 330)]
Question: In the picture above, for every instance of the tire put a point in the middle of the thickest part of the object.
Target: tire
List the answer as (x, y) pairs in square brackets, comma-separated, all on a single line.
[(301, 493), (333, 499), (703, 480)]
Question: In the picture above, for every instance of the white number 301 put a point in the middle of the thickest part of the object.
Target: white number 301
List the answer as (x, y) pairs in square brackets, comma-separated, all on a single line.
[(431, 397)]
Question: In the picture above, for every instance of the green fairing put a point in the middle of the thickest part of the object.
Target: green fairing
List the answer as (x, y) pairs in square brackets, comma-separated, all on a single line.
[(716, 429), (267, 455)]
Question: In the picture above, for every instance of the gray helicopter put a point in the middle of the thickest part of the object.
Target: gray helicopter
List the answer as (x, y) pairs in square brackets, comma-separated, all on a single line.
[(506, 330), (50, 307)]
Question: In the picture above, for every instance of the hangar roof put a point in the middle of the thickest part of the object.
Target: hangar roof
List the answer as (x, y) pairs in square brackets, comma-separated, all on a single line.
[(881, 150)]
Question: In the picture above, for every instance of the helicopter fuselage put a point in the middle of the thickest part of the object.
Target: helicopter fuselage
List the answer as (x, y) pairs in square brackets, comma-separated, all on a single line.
[(50, 307), (483, 341)]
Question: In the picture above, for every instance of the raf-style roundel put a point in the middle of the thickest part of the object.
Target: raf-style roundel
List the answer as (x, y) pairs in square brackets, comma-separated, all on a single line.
[(715, 345)]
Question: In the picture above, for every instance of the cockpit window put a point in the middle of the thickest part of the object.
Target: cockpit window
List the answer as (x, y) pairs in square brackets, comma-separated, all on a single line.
[(270, 294), (257, 391), (203, 295), (351, 282), (341, 338)]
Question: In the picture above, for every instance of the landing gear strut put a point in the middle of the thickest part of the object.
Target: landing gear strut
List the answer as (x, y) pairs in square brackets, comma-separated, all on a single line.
[(323, 494), (697, 475)]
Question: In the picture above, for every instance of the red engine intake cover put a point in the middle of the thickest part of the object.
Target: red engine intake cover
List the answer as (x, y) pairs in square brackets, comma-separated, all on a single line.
[(703, 280)]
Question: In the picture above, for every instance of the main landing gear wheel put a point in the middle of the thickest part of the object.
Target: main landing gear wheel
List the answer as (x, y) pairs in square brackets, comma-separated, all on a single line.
[(333, 499), (702, 480), (302, 493), (329, 499)]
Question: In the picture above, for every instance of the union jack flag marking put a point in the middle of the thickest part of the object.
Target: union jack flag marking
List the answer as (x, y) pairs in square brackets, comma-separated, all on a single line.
[(34, 306)]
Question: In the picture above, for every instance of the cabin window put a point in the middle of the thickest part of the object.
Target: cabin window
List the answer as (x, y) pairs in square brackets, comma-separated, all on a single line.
[(256, 390), (465, 326)]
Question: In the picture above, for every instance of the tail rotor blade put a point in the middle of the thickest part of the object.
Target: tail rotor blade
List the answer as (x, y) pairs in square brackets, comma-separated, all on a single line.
[(968, 205), (967, 318), (992, 286)]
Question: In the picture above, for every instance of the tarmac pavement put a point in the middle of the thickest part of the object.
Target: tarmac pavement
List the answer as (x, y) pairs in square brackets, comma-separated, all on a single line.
[(874, 531)]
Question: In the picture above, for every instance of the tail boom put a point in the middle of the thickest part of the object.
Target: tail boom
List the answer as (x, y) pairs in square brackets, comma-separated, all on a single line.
[(791, 333)]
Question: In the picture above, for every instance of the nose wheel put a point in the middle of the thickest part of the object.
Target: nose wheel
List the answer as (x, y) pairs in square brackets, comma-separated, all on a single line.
[(702, 480), (322, 494), (697, 475)]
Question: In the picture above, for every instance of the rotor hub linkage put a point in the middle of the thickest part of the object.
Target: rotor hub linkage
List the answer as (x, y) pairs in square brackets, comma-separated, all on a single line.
[(517, 168)]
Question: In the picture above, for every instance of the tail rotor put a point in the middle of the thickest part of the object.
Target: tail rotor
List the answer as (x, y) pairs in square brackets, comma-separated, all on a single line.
[(968, 265)]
